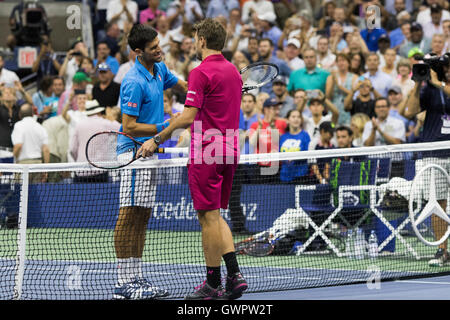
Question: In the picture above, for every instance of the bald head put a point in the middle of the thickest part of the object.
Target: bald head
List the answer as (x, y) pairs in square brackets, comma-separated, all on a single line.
[(26, 110)]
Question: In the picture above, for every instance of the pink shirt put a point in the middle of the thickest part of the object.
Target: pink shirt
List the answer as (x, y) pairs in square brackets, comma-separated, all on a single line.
[(148, 14), (215, 87)]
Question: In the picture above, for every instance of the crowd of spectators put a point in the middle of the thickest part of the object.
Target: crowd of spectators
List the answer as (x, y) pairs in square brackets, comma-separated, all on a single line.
[(341, 82)]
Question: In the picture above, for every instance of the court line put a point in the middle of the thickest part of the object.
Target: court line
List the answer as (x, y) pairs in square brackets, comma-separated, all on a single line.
[(423, 282)]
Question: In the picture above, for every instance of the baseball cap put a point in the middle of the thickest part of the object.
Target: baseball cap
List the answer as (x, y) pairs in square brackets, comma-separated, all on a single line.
[(279, 79), (103, 67), (384, 37), (435, 8), (271, 102), (415, 26), (415, 51), (327, 126), (80, 76), (396, 89), (295, 42)]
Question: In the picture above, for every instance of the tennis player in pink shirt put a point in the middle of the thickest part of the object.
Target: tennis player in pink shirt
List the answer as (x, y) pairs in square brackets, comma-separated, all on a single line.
[(212, 110)]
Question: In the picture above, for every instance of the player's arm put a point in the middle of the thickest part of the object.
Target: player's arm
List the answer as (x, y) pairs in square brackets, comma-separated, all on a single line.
[(136, 129), (182, 122), (181, 85)]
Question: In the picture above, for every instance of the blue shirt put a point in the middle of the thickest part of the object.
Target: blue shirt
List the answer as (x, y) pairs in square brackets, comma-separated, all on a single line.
[(292, 143), (245, 124), (111, 62), (371, 37), (141, 95), (396, 36), (381, 82), (273, 34)]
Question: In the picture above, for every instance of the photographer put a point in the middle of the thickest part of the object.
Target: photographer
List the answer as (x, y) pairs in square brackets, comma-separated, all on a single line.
[(434, 98)]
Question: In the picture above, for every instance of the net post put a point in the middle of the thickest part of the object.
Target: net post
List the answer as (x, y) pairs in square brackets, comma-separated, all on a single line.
[(22, 235)]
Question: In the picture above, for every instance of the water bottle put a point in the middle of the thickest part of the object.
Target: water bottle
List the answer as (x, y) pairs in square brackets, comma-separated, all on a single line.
[(349, 245), (360, 245), (373, 245)]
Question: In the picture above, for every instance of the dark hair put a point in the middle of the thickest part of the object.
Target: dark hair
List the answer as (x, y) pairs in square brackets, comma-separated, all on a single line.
[(345, 128), (46, 83), (301, 117), (102, 42), (266, 39), (381, 99), (60, 78), (140, 35), (250, 95), (213, 32)]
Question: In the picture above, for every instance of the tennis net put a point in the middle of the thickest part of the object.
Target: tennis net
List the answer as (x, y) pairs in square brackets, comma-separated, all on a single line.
[(315, 215)]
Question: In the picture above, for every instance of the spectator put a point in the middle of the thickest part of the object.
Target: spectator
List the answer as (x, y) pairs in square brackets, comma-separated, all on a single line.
[(362, 99), (264, 137), (72, 62), (390, 58), (424, 16), (9, 115), (337, 41), (327, 15), (311, 77), (393, 5), (122, 12), (106, 92), (7, 77), (325, 58), (383, 129), (220, 8), (357, 63), (124, 68), (30, 141), (404, 79), (58, 86), (80, 82), (344, 138), (357, 124), (45, 100), (281, 94), (248, 116), (339, 85), (417, 40), (151, 15), (256, 7), (46, 63), (74, 116), (171, 103), (392, 20), (112, 38), (321, 166), (295, 139), (435, 25), (184, 10), (267, 24), (291, 54), (292, 27), (162, 25), (317, 107), (300, 100), (58, 143), (399, 35), (384, 43), (265, 49), (381, 82), (438, 44), (371, 36), (103, 56), (446, 27), (252, 51), (396, 103), (94, 122)]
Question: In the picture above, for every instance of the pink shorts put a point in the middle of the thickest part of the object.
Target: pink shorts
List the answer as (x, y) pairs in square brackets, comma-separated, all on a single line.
[(210, 185)]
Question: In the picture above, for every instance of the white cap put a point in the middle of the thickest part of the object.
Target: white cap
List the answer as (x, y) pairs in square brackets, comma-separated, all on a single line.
[(268, 16), (295, 42), (93, 107)]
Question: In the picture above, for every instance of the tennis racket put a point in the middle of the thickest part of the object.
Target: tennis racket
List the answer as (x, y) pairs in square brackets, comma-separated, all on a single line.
[(103, 151), (255, 247), (257, 75)]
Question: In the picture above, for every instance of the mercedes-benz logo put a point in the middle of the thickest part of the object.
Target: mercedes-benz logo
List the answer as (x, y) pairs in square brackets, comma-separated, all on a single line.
[(432, 207)]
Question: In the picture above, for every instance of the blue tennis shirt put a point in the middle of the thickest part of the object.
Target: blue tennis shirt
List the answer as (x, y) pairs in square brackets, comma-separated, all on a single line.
[(141, 95)]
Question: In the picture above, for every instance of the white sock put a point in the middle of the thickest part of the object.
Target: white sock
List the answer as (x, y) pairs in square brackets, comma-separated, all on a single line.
[(124, 271), (137, 267)]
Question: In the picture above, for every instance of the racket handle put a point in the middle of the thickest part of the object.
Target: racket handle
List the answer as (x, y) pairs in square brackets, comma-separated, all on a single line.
[(172, 150)]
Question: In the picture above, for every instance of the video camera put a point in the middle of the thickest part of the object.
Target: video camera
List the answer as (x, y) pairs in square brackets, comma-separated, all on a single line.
[(421, 71)]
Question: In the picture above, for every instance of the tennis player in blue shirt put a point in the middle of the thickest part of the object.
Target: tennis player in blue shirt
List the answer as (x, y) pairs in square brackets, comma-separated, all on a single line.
[(142, 106)]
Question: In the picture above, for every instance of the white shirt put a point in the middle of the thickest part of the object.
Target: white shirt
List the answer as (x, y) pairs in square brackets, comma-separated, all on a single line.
[(423, 17), (313, 129), (296, 63), (102, 4), (71, 69), (8, 77), (259, 7), (327, 62), (76, 116), (123, 69), (32, 136), (189, 5), (164, 41), (115, 7), (430, 28)]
